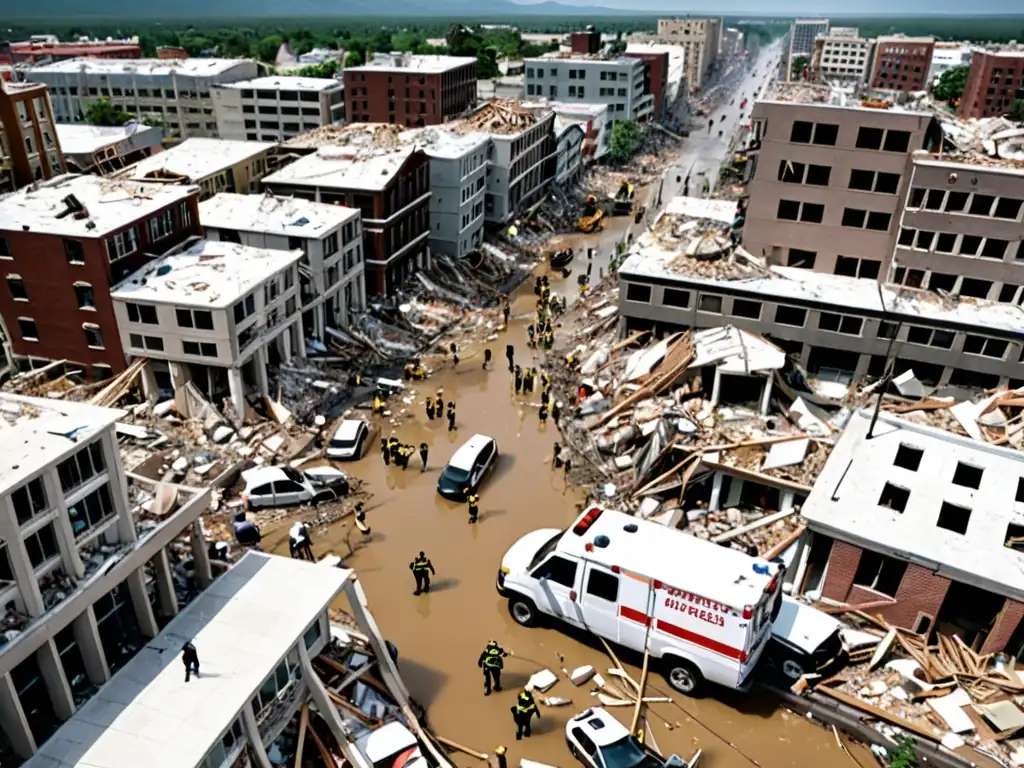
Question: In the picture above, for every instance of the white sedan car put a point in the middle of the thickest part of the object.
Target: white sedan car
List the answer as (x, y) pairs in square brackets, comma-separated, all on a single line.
[(598, 740)]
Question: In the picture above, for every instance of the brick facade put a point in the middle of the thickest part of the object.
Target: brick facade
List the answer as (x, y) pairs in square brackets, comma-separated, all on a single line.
[(921, 591), (1006, 624), (842, 565)]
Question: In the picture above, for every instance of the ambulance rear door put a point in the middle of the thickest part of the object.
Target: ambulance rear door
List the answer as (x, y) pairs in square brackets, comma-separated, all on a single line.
[(600, 600)]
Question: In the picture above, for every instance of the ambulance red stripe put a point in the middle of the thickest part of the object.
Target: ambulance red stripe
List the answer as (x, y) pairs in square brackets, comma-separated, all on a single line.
[(684, 634)]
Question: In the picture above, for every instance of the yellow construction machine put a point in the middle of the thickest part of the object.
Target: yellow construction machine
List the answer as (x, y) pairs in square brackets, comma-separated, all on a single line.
[(593, 214)]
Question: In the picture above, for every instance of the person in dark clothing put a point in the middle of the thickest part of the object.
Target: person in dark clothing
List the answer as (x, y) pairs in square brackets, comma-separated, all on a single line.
[(430, 407), (518, 379), (529, 333), (474, 505), (451, 416), (394, 446), (528, 375), (424, 449), (556, 462), (455, 355), (505, 311), (421, 568), (568, 468), (487, 357), (491, 663), (510, 353), (190, 658), (385, 452), (361, 519), (246, 531), (556, 412), (545, 397), (523, 711), (543, 413)]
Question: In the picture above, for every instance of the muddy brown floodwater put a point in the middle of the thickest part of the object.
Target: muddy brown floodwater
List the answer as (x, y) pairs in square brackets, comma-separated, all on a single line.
[(440, 635)]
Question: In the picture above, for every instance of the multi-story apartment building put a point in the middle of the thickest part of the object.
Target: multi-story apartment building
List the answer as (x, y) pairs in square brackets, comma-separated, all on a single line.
[(45, 49), (214, 165), (826, 180), (332, 287), (569, 139), (29, 145), (63, 243), (959, 229), (207, 313), (676, 84), (945, 56), (406, 89), (368, 168), (655, 77), (85, 567), (802, 34), (619, 83), (994, 82), (522, 159), (176, 92), (838, 328), (901, 63), (841, 59), (702, 39), (104, 149), (277, 108)]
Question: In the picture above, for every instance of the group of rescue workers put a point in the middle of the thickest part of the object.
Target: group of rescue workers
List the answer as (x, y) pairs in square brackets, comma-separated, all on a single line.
[(492, 661), (394, 450)]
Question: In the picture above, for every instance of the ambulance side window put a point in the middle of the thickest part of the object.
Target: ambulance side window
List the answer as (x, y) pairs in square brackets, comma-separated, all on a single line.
[(558, 570), (585, 741), (603, 585)]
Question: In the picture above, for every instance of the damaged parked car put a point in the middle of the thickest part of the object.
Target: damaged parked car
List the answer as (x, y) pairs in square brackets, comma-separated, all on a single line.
[(287, 487), (804, 641)]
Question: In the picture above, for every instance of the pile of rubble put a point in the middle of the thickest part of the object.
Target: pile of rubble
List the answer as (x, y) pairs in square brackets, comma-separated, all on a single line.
[(500, 116)]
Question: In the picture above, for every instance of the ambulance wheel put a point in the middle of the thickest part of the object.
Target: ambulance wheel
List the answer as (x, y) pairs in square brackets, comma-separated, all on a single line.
[(683, 676), (793, 669), (523, 611)]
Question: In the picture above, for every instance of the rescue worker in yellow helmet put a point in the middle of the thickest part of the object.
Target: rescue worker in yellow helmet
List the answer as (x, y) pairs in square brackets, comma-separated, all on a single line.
[(523, 711), (491, 663)]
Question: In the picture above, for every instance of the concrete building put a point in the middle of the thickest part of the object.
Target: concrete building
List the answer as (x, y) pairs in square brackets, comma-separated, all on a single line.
[(366, 167), (959, 229), (802, 34), (826, 180), (841, 59), (946, 56), (675, 76), (175, 92), (619, 83), (276, 108), (838, 328), (29, 145), (593, 119), (994, 82), (64, 243), (104, 149), (568, 153), (45, 49), (406, 89), (587, 41), (901, 63), (212, 313), (214, 165), (508, 87), (655, 78), (916, 521), (332, 286), (87, 575), (702, 39)]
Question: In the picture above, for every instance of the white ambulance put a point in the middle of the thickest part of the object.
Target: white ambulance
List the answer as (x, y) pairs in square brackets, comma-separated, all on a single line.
[(704, 610)]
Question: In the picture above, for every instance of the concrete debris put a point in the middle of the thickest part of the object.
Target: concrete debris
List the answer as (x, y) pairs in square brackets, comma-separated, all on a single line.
[(541, 681), (581, 675)]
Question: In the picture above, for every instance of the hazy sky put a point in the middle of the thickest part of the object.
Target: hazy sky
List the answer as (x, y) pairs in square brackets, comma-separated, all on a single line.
[(812, 10)]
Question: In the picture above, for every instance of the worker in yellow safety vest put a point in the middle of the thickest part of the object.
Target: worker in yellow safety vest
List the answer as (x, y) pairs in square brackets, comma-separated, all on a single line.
[(523, 711), (491, 663)]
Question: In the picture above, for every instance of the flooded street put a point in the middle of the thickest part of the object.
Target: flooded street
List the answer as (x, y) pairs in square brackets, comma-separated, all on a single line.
[(440, 635)]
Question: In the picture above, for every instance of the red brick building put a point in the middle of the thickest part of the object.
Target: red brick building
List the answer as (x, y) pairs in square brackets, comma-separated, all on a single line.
[(410, 90), (994, 82), (62, 245), (31, 148), (45, 51), (901, 63), (655, 78), (588, 41)]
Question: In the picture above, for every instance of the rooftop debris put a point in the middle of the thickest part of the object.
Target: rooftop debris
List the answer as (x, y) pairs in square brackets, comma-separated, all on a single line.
[(501, 116)]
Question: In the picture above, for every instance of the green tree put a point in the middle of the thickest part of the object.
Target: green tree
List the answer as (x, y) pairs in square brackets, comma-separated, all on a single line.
[(626, 139), (905, 755), (1017, 110), (951, 84), (486, 66), (799, 65), (354, 59), (102, 112), (328, 68)]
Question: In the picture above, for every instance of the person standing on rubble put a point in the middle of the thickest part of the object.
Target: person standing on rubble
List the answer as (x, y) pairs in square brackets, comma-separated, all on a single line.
[(487, 357), (510, 353), (424, 449), (474, 505), (506, 310), (522, 712), (491, 662), (517, 379), (299, 542), (385, 452), (430, 407), (451, 416), (421, 569)]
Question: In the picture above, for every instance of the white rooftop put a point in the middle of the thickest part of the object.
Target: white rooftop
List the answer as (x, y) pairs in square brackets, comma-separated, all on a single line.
[(733, 350), (271, 214), (844, 502), (441, 142), (85, 139), (287, 83), (197, 158), (412, 63), (207, 274), (344, 167), (242, 625), (112, 204), (35, 432), (191, 67)]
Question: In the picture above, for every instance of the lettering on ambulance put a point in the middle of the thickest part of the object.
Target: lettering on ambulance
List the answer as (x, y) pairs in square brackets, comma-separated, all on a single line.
[(694, 605)]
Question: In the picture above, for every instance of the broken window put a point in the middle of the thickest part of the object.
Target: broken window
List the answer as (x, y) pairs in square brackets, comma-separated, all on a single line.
[(894, 497), (790, 316), (908, 457), (674, 297), (953, 517), (967, 475), (639, 293), (880, 573), (916, 197), (710, 304), (800, 258), (974, 287), (791, 173), (745, 308)]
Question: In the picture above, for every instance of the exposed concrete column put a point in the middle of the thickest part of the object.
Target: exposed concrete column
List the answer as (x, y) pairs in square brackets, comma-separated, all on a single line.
[(716, 389), (87, 636), (140, 602), (199, 554), (786, 499), (56, 683), (20, 564), (328, 710), (118, 487), (766, 393), (252, 733), (732, 499), (69, 556), (793, 576), (261, 370), (299, 340), (237, 391), (12, 718), (180, 376), (286, 343), (149, 386), (716, 493), (165, 584)]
